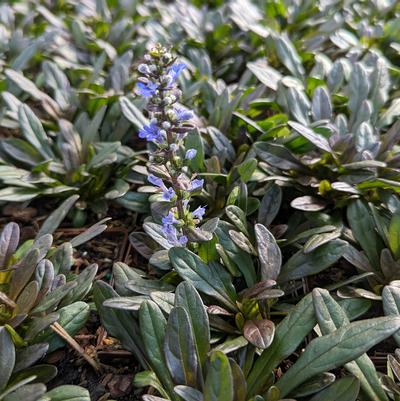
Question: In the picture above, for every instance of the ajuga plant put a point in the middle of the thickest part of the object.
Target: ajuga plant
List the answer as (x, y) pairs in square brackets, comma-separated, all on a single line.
[(333, 131), (188, 363), (379, 253), (41, 163), (169, 168), (37, 289)]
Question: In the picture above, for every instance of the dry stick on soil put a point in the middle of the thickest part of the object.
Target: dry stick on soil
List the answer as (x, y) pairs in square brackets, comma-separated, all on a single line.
[(58, 329)]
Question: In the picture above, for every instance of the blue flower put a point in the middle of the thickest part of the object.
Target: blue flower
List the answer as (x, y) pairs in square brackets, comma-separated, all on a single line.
[(158, 182), (183, 240), (146, 90), (196, 184), (183, 114), (171, 233), (175, 70), (168, 194), (199, 212), (151, 133), (190, 154), (169, 219)]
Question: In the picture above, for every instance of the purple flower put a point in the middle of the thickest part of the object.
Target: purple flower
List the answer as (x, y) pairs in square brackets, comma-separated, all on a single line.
[(169, 219), (146, 90), (175, 70), (183, 114), (158, 182), (151, 133), (199, 212), (171, 233), (183, 240), (168, 194), (190, 154), (196, 184)]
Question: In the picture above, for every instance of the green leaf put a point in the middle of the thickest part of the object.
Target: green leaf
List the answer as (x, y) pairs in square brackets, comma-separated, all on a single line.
[(119, 323), (188, 298), (180, 349), (394, 235), (315, 384), (27, 392), (270, 204), (277, 156), (7, 357), (212, 280), (43, 373), (316, 139), (391, 304), (288, 336), (68, 392), (27, 356), (153, 328), (84, 283), (246, 169), (57, 216), (219, 384), (330, 317), (363, 227), (345, 389), (237, 217), (335, 349), (188, 393), (33, 131), (89, 233), (72, 319), (9, 240), (304, 264)]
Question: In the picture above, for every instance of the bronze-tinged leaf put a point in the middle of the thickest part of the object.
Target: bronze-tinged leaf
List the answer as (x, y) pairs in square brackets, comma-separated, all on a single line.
[(260, 333), (9, 239)]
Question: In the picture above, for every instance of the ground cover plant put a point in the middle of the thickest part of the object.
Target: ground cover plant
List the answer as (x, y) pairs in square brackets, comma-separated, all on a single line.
[(200, 200)]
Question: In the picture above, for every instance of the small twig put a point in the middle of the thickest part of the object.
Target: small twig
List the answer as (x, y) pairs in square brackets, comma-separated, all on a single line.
[(7, 301), (58, 329)]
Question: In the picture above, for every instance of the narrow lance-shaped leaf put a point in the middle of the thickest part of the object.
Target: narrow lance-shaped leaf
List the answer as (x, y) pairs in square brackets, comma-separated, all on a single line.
[(188, 298), (213, 281), (153, 327), (7, 357), (180, 350), (330, 317), (288, 336), (336, 349), (345, 389)]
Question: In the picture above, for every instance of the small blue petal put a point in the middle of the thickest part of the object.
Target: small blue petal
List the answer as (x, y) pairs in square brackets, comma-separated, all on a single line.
[(146, 90), (197, 184), (190, 154), (158, 182), (168, 194), (175, 70), (183, 114), (199, 212), (183, 240)]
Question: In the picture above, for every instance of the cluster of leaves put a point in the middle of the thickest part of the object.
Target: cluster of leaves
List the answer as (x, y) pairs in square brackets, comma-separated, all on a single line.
[(37, 290), (296, 145)]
